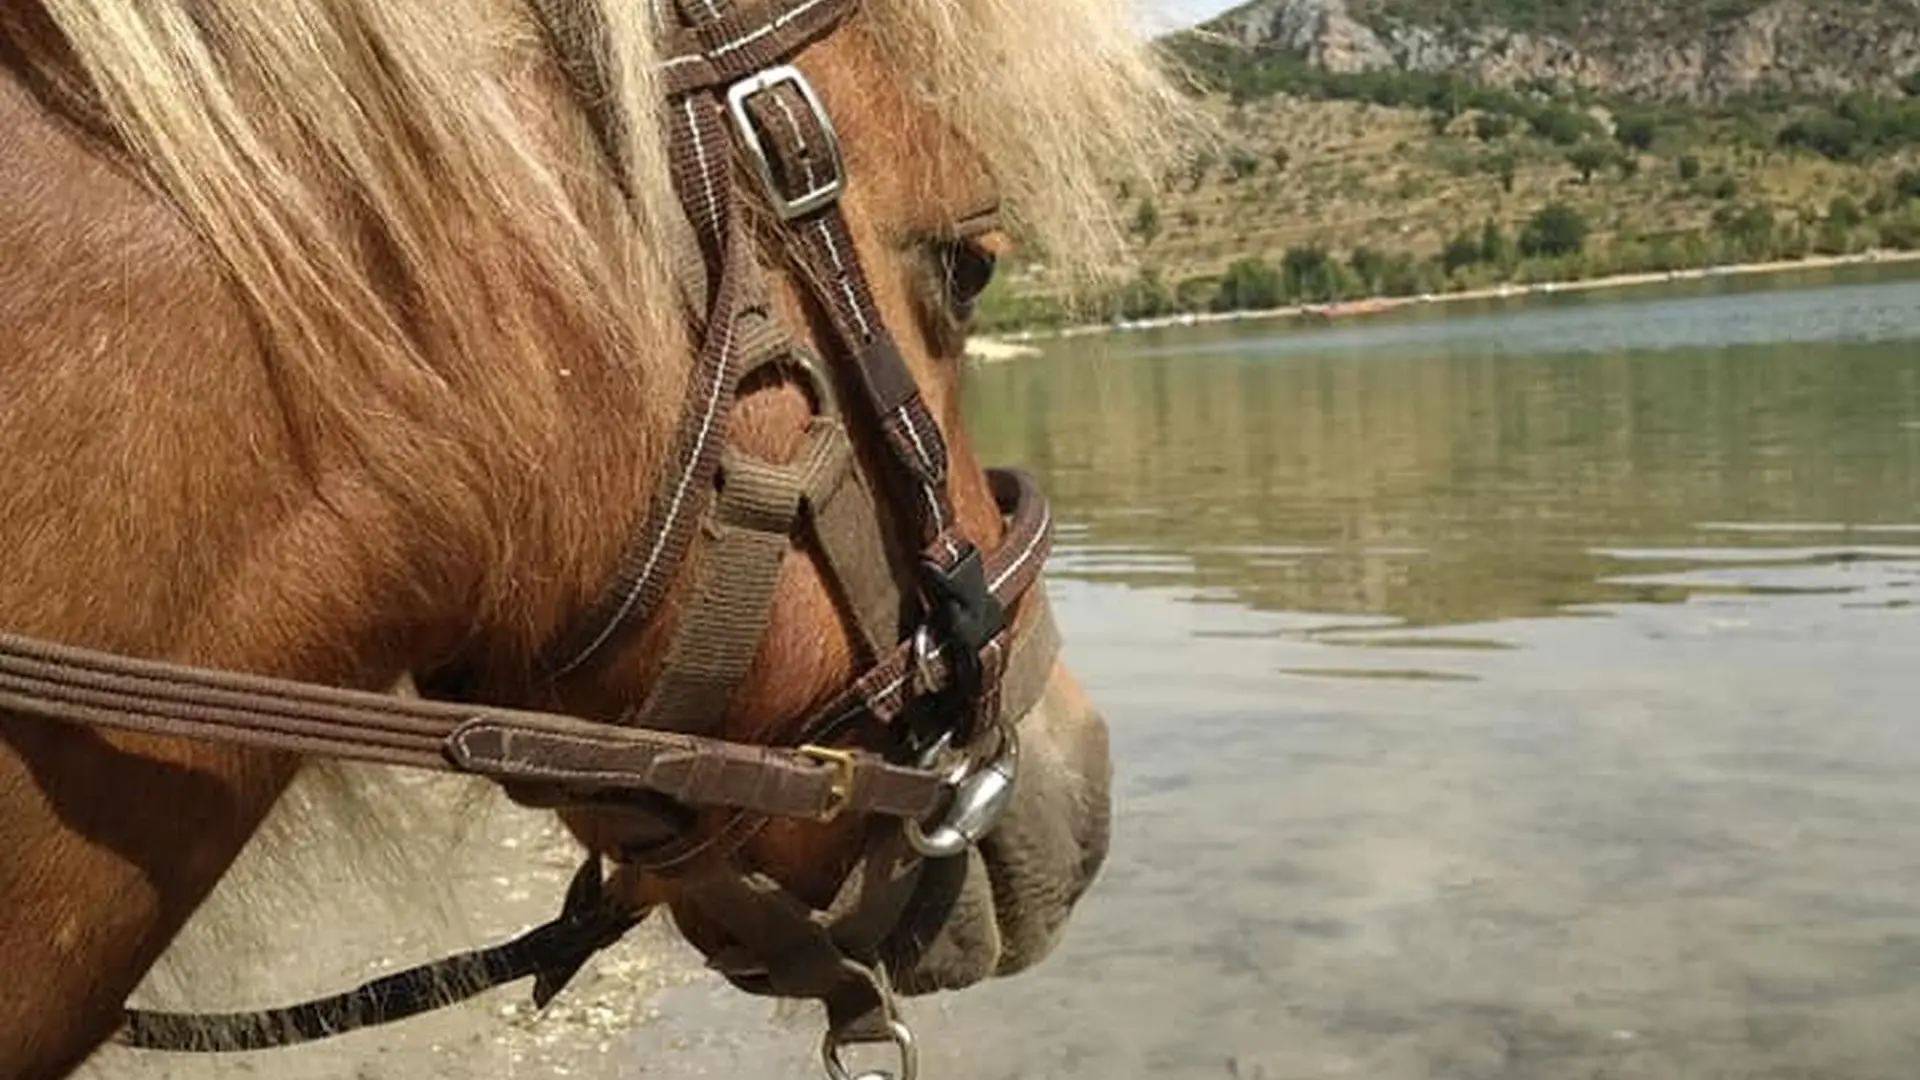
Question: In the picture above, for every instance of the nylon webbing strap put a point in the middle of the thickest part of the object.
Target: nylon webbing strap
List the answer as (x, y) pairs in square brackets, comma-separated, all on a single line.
[(717, 47), (784, 948), (825, 254), (753, 522), (699, 154), (846, 530)]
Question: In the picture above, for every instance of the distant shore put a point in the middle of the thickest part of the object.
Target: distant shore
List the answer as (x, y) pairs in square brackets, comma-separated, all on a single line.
[(1001, 347), (992, 350)]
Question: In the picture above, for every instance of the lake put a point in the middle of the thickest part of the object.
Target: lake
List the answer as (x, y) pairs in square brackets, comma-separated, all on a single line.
[(1511, 689)]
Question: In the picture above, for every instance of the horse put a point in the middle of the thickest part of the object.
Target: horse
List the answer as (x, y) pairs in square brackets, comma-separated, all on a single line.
[(593, 369)]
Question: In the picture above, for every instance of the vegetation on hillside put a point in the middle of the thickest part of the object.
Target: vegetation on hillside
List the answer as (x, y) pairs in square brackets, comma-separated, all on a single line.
[(1391, 183), (1576, 20)]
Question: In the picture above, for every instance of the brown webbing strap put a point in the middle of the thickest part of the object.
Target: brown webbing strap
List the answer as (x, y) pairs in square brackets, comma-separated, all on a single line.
[(752, 522), (717, 51), (849, 537), (699, 152), (786, 949), (1012, 569), (589, 920), (826, 257), (128, 693)]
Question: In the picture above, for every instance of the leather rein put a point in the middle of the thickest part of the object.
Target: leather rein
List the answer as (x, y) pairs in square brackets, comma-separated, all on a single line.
[(947, 692)]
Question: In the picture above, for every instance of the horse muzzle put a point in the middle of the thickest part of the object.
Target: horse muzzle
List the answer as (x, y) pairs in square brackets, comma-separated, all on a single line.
[(998, 906)]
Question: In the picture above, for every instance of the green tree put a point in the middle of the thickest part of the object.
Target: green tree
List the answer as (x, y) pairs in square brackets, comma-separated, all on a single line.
[(1720, 186), (1833, 238), (1558, 124), (1460, 252), (1370, 267), (1635, 130), (1496, 248), (1503, 165), (1554, 230), (1492, 127), (1589, 158), (1249, 285), (1900, 234), (1195, 293), (1749, 230), (1309, 273), (1835, 137), (1402, 276), (1145, 297), (1688, 167)]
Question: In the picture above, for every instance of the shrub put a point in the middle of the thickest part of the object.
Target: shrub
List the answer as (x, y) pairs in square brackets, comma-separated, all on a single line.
[(1555, 230)]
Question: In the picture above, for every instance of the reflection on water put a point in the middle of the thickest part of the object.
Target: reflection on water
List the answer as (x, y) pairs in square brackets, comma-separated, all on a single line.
[(1631, 787), (1628, 784), (1459, 476)]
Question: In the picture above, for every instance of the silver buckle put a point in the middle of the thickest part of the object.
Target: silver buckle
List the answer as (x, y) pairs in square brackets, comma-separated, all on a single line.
[(806, 202)]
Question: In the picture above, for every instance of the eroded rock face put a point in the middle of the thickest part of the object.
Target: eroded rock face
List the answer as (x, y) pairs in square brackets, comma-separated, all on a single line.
[(1320, 31), (1822, 46)]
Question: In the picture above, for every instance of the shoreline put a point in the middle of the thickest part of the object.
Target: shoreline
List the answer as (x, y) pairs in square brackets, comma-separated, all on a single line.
[(996, 348)]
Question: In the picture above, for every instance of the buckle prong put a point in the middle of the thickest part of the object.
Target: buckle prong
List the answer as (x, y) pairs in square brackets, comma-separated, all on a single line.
[(788, 207)]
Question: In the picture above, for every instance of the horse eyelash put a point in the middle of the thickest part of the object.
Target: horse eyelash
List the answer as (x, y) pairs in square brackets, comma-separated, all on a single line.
[(964, 269)]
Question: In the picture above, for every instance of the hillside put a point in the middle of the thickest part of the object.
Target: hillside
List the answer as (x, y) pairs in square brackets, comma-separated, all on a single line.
[(1673, 49), (1366, 153)]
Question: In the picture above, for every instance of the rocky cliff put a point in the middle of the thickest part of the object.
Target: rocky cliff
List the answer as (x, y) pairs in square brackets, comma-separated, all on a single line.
[(1698, 50)]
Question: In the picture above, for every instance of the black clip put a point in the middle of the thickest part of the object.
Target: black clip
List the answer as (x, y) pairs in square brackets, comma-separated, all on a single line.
[(967, 616)]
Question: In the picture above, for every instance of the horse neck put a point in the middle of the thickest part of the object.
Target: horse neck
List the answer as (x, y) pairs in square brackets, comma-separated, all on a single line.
[(171, 495)]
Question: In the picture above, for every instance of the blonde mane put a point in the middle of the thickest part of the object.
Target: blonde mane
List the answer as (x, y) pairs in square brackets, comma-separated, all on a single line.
[(375, 175), (282, 130), (384, 181)]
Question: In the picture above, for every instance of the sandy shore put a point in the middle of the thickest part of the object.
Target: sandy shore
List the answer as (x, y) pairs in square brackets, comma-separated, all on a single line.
[(1377, 305), (993, 350), (450, 873)]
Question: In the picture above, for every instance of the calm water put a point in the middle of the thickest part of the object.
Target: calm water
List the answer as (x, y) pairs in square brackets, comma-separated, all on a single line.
[(1522, 690)]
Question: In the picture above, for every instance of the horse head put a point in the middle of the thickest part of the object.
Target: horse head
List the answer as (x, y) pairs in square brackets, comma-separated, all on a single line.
[(602, 366)]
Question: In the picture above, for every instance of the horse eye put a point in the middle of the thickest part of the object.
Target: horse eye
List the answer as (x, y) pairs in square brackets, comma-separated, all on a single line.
[(967, 270)]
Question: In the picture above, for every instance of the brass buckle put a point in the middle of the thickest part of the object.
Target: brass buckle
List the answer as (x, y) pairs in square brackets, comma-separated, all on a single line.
[(840, 791), (787, 206)]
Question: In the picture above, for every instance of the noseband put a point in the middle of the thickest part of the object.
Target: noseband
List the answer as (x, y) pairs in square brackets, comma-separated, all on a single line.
[(946, 669)]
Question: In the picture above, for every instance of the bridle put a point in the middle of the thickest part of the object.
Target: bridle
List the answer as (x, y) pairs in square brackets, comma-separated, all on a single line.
[(945, 692)]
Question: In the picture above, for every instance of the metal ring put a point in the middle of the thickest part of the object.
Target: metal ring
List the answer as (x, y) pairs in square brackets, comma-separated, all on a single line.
[(826, 398), (980, 798), (902, 1039), (925, 652)]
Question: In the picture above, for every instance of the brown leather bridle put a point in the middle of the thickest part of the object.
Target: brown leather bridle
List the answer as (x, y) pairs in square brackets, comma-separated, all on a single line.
[(946, 670)]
